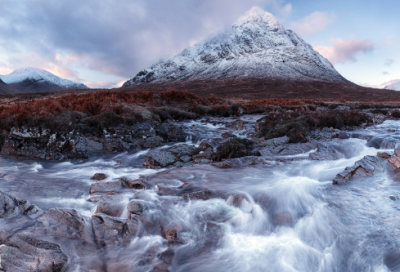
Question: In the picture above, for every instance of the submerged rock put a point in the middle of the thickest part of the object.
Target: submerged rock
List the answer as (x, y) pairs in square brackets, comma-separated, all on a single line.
[(365, 167), (199, 195)]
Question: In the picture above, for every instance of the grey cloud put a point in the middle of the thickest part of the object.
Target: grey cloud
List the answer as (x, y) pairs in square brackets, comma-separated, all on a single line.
[(114, 37), (389, 62), (385, 73)]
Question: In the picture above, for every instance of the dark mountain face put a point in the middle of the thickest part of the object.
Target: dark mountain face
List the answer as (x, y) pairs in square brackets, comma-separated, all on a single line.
[(35, 86), (6, 89)]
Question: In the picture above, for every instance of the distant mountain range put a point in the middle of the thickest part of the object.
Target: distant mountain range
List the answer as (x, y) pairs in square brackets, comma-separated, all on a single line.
[(395, 86), (256, 46), (31, 80)]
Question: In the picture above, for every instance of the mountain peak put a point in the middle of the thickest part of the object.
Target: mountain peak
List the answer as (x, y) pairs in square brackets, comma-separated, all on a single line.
[(256, 46), (259, 16), (39, 76)]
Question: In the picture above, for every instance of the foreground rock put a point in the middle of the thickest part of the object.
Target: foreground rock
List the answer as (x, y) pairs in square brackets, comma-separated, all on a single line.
[(365, 167), (176, 155), (298, 126), (24, 253), (35, 142), (11, 207)]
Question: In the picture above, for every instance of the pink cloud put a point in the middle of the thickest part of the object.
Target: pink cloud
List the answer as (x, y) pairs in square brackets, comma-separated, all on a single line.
[(315, 22), (344, 51)]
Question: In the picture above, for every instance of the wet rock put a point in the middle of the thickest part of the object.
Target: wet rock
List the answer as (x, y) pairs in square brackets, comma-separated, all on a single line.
[(202, 156), (227, 135), (393, 198), (112, 231), (11, 207), (77, 149), (105, 187), (163, 190), (334, 151), (236, 125), (171, 234), (67, 223), (165, 157), (54, 147), (171, 132), (24, 253), (159, 159), (136, 207), (234, 148), (115, 145), (235, 200), (272, 142), (343, 135), (138, 184), (150, 142), (384, 155), (99, 176), (365, 167), (397, 152), (167, 256), (283, 219), (395, 163), (110, 205), (199, 195), (238, 162), (185, 185), (287, 150)]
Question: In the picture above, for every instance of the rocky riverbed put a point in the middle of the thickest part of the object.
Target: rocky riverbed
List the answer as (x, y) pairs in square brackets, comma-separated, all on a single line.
[(279, 191)]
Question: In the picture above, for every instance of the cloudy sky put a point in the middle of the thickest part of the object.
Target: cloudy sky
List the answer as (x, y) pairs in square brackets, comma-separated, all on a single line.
[(102, 43)]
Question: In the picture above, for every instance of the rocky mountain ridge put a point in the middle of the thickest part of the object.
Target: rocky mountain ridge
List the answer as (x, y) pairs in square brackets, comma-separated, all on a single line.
[(256, 46)]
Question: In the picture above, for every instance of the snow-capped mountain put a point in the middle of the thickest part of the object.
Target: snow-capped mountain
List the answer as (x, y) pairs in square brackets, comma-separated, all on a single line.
[(257, 46), (394, 86), (37, 80)]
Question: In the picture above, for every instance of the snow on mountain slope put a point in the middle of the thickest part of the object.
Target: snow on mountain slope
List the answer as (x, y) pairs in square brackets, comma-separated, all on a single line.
[(394, 86), (40, 76), (257, 45)]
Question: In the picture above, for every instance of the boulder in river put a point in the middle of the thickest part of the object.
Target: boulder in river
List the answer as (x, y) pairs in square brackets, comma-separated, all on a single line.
[(235, 125), (110, 205), (364, 167), (136, 207), (162, 158), (24, 253), (105, 187), (384, 155), (395, 163), (99, 176), (238, 162)]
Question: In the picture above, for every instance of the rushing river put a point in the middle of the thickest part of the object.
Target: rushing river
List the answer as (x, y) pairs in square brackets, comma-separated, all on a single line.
[(290, 217)]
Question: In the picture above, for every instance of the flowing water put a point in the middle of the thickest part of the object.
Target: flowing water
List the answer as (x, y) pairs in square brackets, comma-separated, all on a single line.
[(290, 218)]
